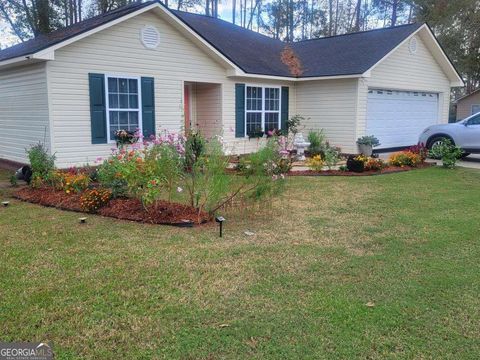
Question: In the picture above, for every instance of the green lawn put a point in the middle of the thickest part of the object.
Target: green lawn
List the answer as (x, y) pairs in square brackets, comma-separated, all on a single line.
[(298, 288)]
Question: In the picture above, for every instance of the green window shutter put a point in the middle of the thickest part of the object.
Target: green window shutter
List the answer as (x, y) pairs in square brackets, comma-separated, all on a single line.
[(148, 107), (284, 110), (98, 115), (239, 110)]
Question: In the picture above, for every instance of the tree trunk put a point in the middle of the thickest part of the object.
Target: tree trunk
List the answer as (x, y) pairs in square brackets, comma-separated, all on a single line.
[(394, 12), (358, 10), (330, 17), (234, 11)]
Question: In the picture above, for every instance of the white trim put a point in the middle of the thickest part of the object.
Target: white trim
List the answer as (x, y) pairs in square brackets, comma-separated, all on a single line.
[(263, 111), (234, 74), (458, 82), (107, 102), (50, 110)]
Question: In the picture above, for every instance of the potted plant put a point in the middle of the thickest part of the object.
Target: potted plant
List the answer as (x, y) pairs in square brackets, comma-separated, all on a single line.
[(356, 163), (257, 133), (366, 144), (125, 137)]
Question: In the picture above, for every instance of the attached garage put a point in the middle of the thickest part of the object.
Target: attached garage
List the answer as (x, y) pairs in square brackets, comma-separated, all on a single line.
[(397, 118)]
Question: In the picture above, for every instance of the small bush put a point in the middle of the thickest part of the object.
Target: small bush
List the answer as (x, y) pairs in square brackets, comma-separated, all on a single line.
[(448, 153), (331, 156), (70, 182), (41, 162), (368, 140), (373, 164), (405, 158), (94, 199), (316, 163), (317, 142), (13, 181)]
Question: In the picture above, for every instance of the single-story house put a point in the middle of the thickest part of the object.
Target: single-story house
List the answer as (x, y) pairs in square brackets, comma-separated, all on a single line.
[(468, 105), (145, 66)]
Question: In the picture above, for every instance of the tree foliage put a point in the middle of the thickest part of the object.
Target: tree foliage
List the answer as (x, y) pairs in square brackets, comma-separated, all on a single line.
[(455, 23)]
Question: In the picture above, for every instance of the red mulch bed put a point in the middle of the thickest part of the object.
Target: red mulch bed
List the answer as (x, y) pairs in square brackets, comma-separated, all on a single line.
[(387, 170), (164, 212)]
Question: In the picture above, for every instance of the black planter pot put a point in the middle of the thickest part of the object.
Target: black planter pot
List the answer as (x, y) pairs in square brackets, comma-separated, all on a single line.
[(355, 165)]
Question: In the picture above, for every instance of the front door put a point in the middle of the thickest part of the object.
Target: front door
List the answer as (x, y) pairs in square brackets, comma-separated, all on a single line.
[(187, 107)]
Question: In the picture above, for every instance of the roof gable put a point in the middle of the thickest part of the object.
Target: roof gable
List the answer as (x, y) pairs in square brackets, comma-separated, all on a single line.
[(349, 54), (43, 42)]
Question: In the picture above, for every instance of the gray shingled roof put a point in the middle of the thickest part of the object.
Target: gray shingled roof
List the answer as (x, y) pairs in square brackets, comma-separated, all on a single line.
[(44, 41), (255, 53)]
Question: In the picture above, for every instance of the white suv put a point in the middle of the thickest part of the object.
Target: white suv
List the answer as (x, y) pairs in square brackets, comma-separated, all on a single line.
[(464, 134)]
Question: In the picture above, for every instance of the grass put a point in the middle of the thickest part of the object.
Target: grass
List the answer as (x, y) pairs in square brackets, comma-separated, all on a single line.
[(298, 288)]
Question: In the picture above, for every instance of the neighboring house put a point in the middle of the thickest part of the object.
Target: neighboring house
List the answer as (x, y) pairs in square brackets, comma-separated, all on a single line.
[(157, 69), (468, 105)]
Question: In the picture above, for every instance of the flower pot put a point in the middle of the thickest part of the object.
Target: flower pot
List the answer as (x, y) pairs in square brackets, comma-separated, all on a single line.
[(355, 165), (366, 150)]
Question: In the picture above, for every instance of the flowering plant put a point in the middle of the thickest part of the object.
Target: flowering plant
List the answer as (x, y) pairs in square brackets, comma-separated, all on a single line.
[(94, 199), (126, 137), (146, 170), (374, 164), (405, 158), (316, 163), (421, 150), (69, 181)]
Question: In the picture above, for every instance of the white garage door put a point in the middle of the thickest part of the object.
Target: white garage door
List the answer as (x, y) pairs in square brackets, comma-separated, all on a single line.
[(397, 118)]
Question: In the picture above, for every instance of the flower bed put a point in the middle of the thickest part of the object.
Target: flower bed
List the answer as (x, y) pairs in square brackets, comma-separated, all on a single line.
[(170, 179), (162, 212), (384, 171)]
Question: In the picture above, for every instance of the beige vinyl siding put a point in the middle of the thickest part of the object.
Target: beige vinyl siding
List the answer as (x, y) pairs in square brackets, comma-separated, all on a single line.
[(403, 70), (23, 110), (464, 106), (118, 51), (330, 105)]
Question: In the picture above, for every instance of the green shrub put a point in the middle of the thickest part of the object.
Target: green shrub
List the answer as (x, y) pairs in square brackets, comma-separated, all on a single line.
[(42, 163), (317, 143), (331, 156), (447, 152)]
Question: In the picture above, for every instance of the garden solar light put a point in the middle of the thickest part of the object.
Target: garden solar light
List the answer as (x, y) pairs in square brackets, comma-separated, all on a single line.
[(220, 220), (83, 220), (5, 203)]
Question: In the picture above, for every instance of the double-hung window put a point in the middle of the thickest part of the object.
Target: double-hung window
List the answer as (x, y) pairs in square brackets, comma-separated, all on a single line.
[(262, 109), (123, 104)]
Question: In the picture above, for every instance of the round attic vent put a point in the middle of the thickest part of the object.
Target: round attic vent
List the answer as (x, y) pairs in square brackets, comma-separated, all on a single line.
[(150, 37), (412, 46)]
